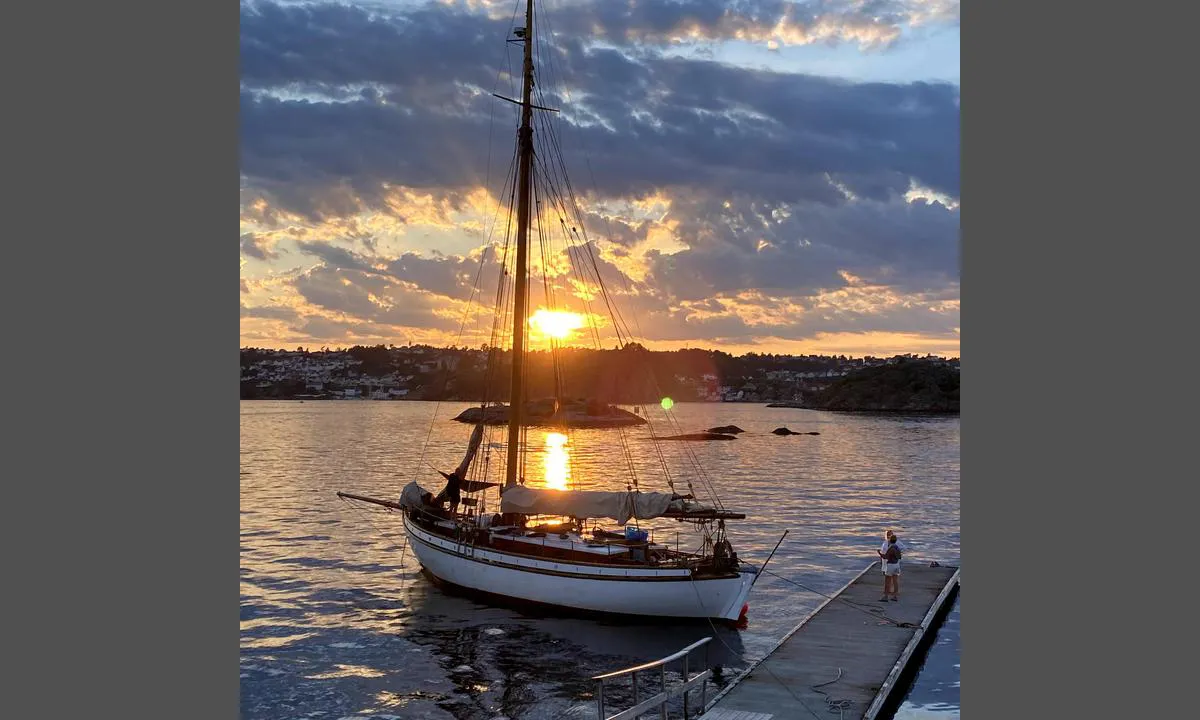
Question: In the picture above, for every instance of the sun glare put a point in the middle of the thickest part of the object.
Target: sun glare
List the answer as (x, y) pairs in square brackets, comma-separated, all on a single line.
[(556, 324), (557, 461)]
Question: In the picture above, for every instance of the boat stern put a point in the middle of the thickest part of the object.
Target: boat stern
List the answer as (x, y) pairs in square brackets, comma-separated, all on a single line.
[(736, 609)]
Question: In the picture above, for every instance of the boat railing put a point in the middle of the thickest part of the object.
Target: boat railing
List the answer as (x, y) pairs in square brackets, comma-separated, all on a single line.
[(659, 700)]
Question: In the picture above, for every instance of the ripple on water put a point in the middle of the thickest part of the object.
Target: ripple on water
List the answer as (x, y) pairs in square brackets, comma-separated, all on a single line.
[(338, 622)]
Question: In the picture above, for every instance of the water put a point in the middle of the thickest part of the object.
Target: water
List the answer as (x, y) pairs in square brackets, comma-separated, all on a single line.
[(336, 620)]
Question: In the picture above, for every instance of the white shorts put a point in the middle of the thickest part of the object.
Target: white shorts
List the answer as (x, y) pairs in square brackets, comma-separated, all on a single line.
[(890, 568)]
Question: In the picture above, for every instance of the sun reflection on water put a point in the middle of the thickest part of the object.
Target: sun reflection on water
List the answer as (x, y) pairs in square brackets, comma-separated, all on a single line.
[(557, 461)]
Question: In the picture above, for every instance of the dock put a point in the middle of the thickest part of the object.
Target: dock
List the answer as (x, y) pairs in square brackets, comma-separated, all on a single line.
[(852, 658)]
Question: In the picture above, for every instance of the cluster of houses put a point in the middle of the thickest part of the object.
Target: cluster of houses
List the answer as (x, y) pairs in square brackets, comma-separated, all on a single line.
[(335, 374)]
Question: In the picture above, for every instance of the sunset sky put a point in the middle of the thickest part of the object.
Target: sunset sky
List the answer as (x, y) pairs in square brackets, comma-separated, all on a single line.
[(755, 175)]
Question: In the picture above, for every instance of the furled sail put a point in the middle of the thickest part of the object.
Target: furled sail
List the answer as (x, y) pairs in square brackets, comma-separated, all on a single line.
[(472, 448), (620, 506)]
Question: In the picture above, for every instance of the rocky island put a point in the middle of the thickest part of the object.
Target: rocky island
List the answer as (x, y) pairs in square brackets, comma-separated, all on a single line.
[(906, 386), (548, 413)]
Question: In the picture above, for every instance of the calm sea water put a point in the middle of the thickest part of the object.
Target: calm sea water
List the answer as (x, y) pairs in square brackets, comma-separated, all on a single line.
[(337, 621)]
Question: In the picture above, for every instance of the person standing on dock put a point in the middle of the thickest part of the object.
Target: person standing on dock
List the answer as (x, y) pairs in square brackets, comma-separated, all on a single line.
[(890, 553)]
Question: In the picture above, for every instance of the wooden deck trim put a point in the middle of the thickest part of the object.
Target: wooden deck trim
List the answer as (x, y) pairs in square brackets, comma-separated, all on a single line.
[(889, 684)]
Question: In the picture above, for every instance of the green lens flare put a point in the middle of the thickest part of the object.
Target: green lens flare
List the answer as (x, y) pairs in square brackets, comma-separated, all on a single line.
[(667, 403)]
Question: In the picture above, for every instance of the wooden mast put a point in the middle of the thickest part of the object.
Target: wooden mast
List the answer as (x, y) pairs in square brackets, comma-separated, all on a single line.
[(516, 409)]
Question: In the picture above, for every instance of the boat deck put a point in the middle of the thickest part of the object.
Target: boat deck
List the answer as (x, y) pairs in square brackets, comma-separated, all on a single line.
[(845, 656), (573, 542), (542, 544)]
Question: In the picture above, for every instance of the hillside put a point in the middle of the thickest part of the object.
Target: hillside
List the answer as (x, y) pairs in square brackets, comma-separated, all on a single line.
[(907, 386)]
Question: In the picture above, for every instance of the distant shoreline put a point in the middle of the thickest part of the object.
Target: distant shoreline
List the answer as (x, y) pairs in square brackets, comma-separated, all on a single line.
[(780, 406)]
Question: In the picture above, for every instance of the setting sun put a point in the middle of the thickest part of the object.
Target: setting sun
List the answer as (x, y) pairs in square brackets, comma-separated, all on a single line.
[(556, 324)]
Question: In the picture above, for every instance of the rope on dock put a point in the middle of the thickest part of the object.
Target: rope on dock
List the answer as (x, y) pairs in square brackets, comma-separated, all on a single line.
[(838, 706)]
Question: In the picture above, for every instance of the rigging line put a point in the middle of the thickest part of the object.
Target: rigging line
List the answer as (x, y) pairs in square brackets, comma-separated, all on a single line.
[(555, 143), (622, 327), (632, 465), (543, 244), (471, 296), (594, 272), (689, 453), (658, 448), (628, 456), (499, 285), (552, 71), (555, 140), (704, 478), (619, 322), (475, 287), (672, 422), (502, 296), (495, 85), (403, 546), (555, 195), (483, 255), (512, 22), (587, 277), (583, 286)]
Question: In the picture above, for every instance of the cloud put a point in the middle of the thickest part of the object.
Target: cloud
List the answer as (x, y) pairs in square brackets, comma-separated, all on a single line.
[(269, 312), (373, 297), (722, 202), (800, 250), (258, 246), (336, 257), (669, 122), (872, 24)]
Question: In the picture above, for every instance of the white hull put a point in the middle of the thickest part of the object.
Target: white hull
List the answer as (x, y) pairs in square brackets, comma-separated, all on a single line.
[(668, 592)]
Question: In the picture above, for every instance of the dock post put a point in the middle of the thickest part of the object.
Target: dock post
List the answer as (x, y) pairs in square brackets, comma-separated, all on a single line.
[(663, 708), (685, 687)]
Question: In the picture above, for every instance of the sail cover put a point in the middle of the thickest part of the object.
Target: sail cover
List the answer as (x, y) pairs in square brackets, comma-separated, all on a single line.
[(619, 506), (411, 495)]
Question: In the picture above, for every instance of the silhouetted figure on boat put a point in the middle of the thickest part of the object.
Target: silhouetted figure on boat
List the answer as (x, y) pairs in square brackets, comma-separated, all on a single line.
[(452, 493)]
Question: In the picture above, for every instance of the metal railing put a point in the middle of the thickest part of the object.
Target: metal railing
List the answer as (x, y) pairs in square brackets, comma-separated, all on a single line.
[(659, 700)]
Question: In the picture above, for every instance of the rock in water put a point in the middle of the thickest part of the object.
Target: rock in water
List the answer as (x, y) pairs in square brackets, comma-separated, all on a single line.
[(700, 436), (784, 431), (726, 430)]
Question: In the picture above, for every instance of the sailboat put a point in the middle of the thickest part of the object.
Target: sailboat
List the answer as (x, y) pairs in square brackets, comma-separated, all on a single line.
[(537, 549)]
